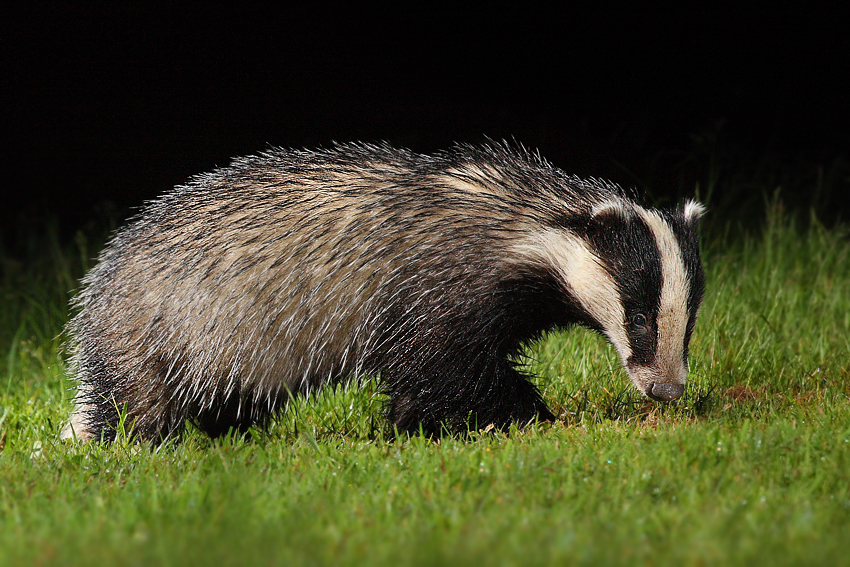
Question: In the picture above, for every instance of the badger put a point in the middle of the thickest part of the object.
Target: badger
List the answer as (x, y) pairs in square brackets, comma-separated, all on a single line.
[(291, 269)]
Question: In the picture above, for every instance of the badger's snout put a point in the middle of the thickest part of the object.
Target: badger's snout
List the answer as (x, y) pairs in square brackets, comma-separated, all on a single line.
[(665, 392)]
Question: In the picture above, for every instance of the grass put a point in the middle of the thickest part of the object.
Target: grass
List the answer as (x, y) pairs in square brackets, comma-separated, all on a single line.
[(752, 466)]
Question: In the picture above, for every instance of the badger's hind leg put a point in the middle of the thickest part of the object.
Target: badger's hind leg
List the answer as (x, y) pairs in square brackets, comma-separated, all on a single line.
[(458, 402), (136, 400), (101, 417), (92, 419), (148, 402), (96, 414), (77, 427)]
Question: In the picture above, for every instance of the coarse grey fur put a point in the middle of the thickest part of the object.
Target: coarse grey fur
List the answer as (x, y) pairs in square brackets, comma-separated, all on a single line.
[(292, 269)]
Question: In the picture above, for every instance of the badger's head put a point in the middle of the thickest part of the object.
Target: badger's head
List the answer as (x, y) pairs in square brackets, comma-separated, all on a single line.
[(634, 275)]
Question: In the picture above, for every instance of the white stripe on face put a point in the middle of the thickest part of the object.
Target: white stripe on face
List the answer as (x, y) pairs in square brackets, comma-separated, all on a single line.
[(582, 273), (672, 321)]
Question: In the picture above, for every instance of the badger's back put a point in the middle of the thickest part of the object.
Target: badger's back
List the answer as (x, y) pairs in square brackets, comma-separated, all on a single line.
[(291, 269)]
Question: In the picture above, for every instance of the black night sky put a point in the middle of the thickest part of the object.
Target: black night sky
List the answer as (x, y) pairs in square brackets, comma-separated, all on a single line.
[(107, 106)]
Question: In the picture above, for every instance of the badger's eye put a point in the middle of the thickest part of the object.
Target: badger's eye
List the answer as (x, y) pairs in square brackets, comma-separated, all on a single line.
[(639, 323)]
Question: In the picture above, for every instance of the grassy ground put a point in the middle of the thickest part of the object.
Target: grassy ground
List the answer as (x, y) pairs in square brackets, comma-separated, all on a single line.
[(752, 466)]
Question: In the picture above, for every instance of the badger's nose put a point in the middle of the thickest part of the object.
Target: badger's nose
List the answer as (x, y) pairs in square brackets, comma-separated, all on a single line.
[(665, 392)]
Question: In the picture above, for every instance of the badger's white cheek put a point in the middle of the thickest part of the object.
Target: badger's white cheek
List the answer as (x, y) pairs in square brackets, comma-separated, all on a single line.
[(582, 273), (642, 376)]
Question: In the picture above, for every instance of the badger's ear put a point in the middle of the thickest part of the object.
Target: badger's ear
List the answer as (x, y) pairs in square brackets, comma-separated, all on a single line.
[(693, 211), (609, 212), (607, 218)]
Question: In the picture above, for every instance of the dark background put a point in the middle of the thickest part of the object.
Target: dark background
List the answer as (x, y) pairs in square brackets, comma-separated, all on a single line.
[(107, 106)]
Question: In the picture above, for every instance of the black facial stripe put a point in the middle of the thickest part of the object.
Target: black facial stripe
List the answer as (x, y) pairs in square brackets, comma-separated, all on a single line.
[(686, 234), (631, 256)]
